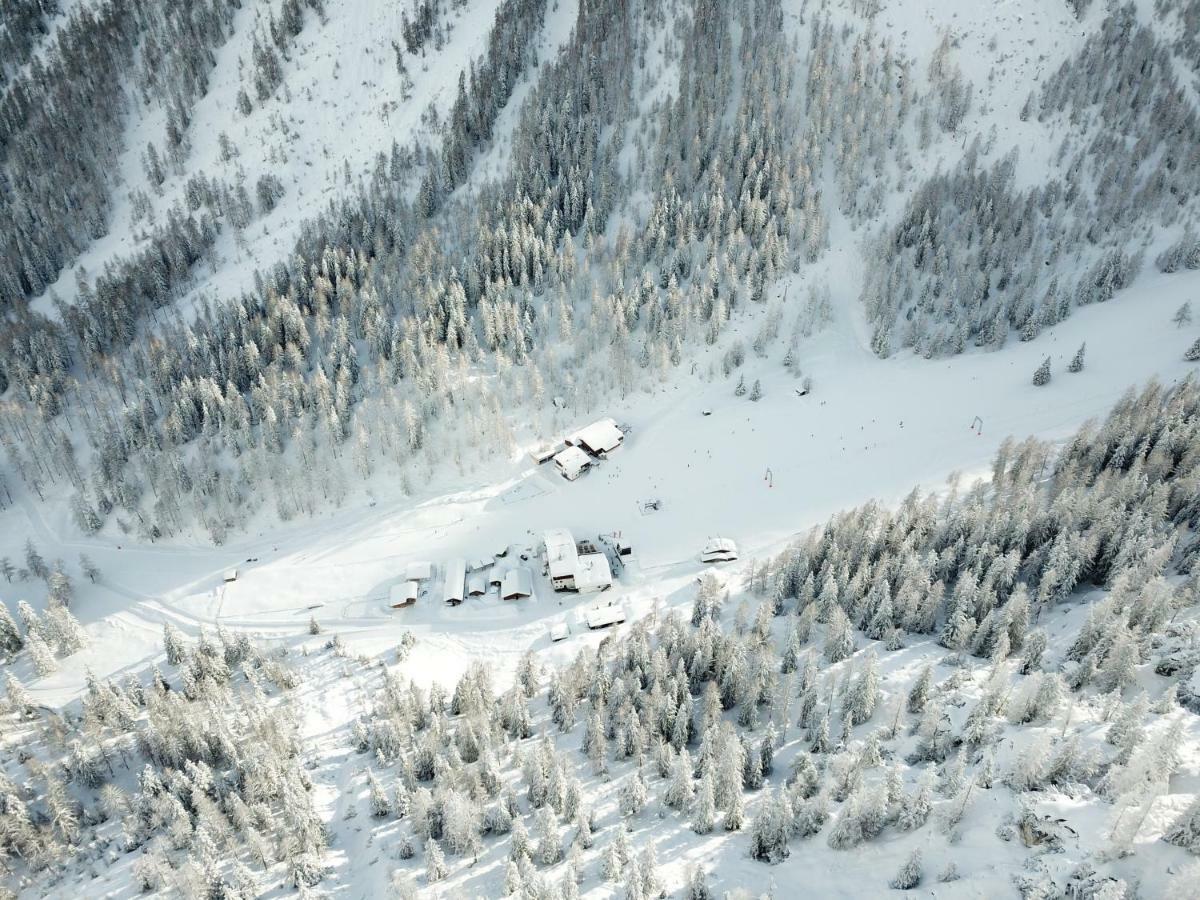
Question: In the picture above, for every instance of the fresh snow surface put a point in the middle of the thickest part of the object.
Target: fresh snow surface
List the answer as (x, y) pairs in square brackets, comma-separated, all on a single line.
[(756, 472)]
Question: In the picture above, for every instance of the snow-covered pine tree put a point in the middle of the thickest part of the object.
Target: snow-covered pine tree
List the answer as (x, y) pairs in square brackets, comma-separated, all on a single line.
[(64, 629), (17, 697), (697, 884), (839, 639), (1042, 375), (919, 694), (381, 805), (34, 563), (909, 875), (41, 655), (704, 808), (1185, 832), (678, 794), (11, 640), (1076, 364), (771, 829), (435, 862)]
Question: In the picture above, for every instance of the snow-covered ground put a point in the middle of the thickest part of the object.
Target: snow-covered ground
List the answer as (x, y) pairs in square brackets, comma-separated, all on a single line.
[(758, 472)]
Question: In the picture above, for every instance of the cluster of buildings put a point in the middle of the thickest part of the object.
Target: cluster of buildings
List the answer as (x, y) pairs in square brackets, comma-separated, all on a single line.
[(581, 451), (463, 579), (568, 565)]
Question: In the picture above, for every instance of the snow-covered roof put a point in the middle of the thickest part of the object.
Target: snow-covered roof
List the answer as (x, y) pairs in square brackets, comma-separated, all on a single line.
[(477, 583), (561, 556), (231, 574), (545, 452), (592, 572), (599, 437), (560, 632), (419, 571), (603, 616), (404, 593), (456, 573), (572, 461), (719, 549), (517, 583)]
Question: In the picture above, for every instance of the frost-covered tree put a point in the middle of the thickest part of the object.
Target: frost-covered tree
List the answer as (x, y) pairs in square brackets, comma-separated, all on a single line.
[(435, 862), (61, 590), (34, 563), (41, 655), (549, 849), (858, 704), (704, 807), (771, 829), (174, 644), (17, 697), (65, 631), (916, 805), (697, 885), (633, 794), (919, 694), (10, 635), (1185, 832), (1042, 375), (381, 804), (909, 875), (679, 790), (839, 639), (1076, 364)]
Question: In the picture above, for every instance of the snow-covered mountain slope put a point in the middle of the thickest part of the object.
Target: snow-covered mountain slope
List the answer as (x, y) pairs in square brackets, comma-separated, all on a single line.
[(341, 102), (809, 255), (1062, 763)]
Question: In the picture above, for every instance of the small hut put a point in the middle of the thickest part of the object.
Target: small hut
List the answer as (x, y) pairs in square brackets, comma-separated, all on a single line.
[(477, 583), (402, 595), (518, 584), (605, 616), (456, 573)]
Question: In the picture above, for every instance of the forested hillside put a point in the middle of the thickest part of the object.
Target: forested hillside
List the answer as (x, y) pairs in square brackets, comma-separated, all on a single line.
[(894, 300), (929, 681), (667, 170)]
